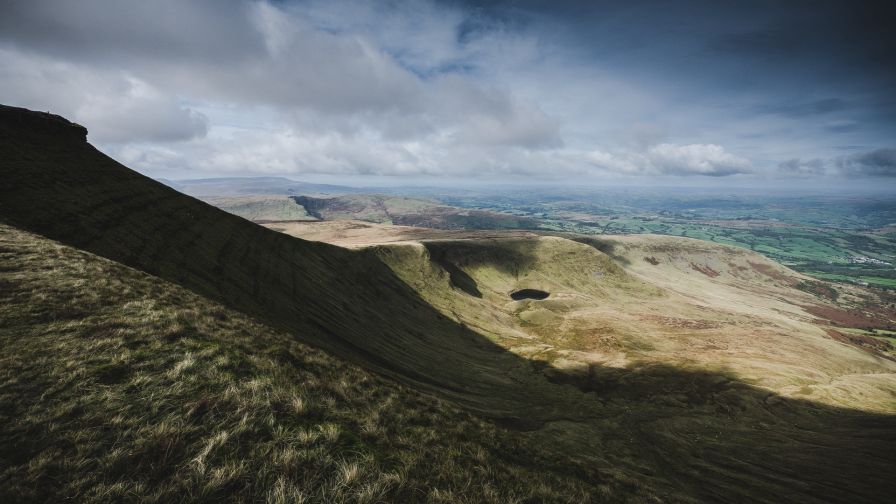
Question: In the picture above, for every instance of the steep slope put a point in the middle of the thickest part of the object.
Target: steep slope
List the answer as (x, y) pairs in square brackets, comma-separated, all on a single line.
[(116, 385), (641, 433), (56, 184)]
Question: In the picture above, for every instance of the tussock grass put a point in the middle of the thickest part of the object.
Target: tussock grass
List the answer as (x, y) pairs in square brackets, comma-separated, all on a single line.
[(116, 386)]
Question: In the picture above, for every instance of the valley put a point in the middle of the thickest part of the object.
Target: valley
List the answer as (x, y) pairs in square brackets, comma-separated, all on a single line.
[(610, 299), (847, 239)]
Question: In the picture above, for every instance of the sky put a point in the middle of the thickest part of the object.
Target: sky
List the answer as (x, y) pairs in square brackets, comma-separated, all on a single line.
[(705, 93)]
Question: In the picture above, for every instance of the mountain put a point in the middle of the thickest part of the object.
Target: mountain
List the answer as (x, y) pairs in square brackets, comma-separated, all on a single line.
[(153, 340), (119, 386), (242, 186), (260, 207), (406, 211)]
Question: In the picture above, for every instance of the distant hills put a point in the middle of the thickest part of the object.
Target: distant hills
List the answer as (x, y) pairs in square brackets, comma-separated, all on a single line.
[(239, 186), (281, 199), (404, 211)]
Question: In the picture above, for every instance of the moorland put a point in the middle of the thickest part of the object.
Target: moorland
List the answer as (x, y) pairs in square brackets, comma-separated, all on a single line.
[(159, 348)]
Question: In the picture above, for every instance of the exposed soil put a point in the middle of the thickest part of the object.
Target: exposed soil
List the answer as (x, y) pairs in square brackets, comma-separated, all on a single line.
[(706, 270)]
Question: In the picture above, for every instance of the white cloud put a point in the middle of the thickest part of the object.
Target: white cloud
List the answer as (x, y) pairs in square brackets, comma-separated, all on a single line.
[(345, 88), (671, 159), (696, 159)]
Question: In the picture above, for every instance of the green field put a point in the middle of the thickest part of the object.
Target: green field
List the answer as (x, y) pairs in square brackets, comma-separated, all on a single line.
[(813, 234)]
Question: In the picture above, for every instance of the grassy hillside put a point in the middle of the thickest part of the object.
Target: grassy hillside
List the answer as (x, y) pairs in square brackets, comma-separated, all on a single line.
[(640, 431), (117, 385), (347, 302), (260, 208), (615, 306)]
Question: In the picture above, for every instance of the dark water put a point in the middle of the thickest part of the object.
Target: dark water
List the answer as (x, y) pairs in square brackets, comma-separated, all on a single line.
[(529, 294)]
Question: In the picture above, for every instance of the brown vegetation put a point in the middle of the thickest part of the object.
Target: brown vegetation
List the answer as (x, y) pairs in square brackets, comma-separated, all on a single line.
[(705, 269), (771, 272), (855, 317), (867, 343)]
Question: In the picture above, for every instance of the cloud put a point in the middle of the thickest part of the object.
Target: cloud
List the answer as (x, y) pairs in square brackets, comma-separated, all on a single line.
[(115, 107), (510, 122), (806, 109), (460, 89), (115, 32), (760, 43), (670, 159), (147, 119), (696, 159), (366, 76), (842, 126), (875, 163), (802, 168)]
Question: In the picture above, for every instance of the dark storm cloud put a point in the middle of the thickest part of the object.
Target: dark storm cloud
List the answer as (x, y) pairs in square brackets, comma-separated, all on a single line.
[(873, 163), (760, 30), (876, 163), (806, 109), (763, 43), (826, 66), (846, 126)]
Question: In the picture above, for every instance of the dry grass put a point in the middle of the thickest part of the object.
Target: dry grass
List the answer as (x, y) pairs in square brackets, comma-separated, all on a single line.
[(611, 302), (119, 386)]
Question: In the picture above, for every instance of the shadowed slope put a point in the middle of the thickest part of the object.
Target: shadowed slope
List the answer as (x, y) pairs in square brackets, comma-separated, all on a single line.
[(116, 386), (56, 184)]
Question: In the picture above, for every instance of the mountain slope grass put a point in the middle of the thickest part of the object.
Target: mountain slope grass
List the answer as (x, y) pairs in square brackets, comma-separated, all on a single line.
[(116, 385), (261, 207), (609, 311), (132, 385)]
